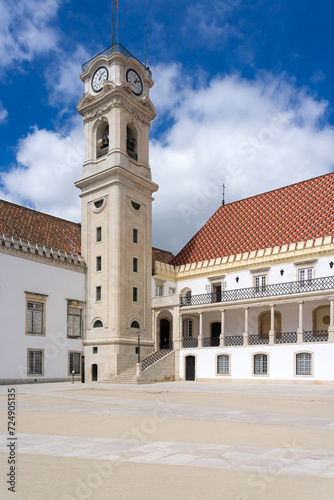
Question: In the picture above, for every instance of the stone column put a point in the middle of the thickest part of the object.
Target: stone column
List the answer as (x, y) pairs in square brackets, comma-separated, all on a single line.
[(222, 330), (272, 325), (246, 332), (181, 330), (200, 332), (300, 331), (331, 322)]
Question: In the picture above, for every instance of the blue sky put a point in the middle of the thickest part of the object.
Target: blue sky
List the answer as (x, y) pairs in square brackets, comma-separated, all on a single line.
[(244, 91)]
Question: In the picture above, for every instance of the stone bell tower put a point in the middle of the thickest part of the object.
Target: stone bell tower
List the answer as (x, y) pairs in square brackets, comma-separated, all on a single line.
[(116, 194)]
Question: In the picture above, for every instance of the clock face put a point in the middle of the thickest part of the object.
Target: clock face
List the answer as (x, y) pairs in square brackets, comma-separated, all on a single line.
[(100, 76), (133, 78)]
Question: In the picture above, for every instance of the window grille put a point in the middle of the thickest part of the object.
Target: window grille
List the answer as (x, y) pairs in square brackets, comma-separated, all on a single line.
[(75, 362), (35, 362), (35, 318), (304, 363), (260, 364), (74, 322), (223, 364)]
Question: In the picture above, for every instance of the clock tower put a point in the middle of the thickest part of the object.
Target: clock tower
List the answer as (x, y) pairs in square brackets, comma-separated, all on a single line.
[(116, 194)]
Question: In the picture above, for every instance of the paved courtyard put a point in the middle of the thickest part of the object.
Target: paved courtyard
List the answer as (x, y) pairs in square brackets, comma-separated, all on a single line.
[(169, 441)]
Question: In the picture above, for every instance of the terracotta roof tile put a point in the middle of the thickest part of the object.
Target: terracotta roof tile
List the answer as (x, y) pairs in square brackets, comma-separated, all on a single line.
[(40, 228), (294, 213)]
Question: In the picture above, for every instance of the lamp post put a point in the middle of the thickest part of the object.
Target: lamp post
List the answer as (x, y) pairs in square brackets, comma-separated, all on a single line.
[(138, 333), (73, 372)]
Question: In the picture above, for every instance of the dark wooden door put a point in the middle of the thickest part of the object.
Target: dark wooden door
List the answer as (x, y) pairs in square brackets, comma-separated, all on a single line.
[(94, 373), (164, 333), (190, 368)]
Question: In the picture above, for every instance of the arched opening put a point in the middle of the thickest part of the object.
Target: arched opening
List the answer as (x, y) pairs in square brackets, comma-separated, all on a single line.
[(164, 333), (94, 373), (102, 139), (321, 319), (190, 368), (132, 141), (265, 322), (98, 324), (135, 324)]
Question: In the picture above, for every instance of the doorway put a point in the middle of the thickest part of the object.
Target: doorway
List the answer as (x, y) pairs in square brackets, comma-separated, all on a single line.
[(190, 368), (164, 333), (94, 373)]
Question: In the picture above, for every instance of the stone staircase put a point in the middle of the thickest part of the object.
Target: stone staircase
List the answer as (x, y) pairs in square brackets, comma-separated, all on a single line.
[(126, 377), (129, 376)]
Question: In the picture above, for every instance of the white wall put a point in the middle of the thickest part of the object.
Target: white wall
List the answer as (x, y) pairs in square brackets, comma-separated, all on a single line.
[(281, 362), (20, 275)]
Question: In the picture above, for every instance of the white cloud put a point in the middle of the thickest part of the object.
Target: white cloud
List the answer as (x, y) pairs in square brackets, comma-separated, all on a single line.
[(48, 163), (63, 82), (25, 29), (253, 135), (3, 113)]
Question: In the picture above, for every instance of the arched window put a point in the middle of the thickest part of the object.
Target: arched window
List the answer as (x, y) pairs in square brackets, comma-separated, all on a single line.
[(102, 139), (132, 141), (260, 364), (304, 363), (135, 324), (223, 364), (188, 328), (98, 324)]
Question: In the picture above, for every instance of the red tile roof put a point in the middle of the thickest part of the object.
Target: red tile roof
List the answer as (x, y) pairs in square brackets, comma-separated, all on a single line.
[(39, 228), (161, 256), (298, 212), (50, 231)]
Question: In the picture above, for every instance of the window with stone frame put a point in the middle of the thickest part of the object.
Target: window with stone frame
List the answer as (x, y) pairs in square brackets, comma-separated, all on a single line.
[(35, 362), (35, 313), (304, 363), (74, 362), (223, 364), (74, 321), (260, 364)]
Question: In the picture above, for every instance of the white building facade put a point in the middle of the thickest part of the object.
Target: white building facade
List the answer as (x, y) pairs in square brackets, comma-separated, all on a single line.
[(249, 298)]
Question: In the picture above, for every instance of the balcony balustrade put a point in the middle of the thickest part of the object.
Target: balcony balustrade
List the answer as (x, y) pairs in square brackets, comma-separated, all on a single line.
[(256, 339), (275, 290)]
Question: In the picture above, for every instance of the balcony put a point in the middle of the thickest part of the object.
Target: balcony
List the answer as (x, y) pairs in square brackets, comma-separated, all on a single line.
[(255, 339), (275, 290)]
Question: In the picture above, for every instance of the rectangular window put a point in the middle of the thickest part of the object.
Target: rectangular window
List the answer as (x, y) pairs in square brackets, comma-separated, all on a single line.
[(223, 364), (171, 291), (305, 274), (260, 364), (260, 283), (98, 294), (304, 363), (95, 350), (187, 328), (35, 363), (135, 265), (75, 360), (158, 291), (135, 236), (74, 315), (99, 234), (98, 263), (35, 318), (135, 294)]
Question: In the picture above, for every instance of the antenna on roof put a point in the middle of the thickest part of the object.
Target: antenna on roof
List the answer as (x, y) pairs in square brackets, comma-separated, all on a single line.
[(112, 22), (223, 200), (145, 42)]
